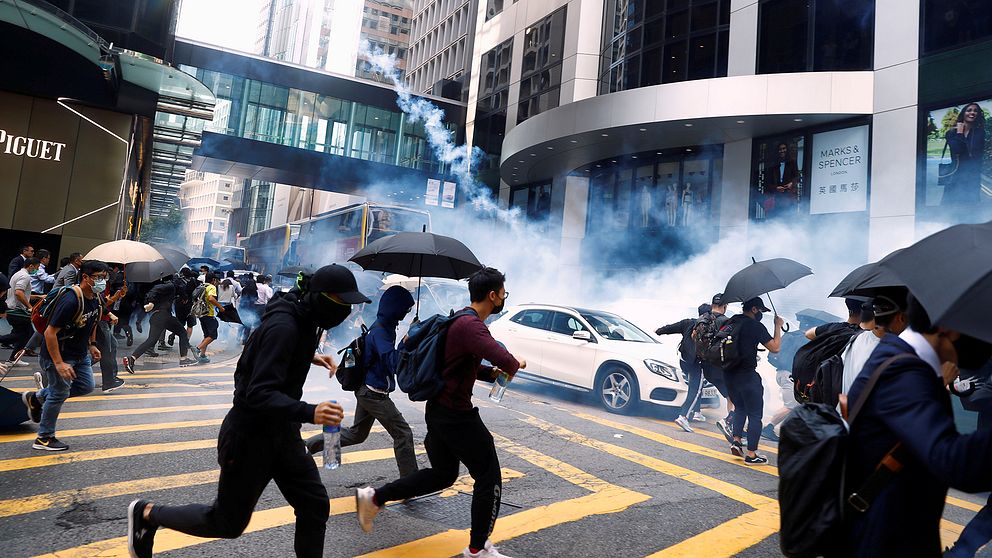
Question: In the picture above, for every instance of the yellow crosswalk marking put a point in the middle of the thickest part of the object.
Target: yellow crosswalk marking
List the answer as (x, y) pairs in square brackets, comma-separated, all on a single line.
[(143, 411), (72, 433), (41, 502)]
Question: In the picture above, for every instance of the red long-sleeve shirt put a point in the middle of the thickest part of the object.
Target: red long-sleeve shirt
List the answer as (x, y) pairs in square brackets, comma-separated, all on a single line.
[(468, 343)]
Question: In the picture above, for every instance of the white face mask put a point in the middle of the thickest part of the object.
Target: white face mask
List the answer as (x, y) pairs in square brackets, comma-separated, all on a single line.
[(99, 285)]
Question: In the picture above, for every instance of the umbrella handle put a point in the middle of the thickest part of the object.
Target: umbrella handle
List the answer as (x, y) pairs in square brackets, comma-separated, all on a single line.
[(785, 325)]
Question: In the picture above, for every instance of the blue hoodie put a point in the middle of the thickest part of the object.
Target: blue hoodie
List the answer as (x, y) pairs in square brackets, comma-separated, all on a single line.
[(381, 355)]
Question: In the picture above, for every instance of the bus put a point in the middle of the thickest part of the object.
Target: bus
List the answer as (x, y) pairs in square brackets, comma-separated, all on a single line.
[(270, 250), (337, 235)]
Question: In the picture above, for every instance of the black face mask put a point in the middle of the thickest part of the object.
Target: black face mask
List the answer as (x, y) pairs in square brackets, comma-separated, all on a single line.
[(758, 316), (326, 312), (498, 309), (972, 353)]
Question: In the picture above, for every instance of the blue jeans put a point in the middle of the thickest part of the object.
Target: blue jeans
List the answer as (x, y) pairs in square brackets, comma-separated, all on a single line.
[(59, 389)]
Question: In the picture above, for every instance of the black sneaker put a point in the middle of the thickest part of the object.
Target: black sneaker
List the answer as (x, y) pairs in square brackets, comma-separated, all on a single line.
[(128, 363), (118, 384), (737, 449), (151, 353), (30, 400), (140, 532), (187, 362), (172, 339), (130, 338), (49, 443), (162, 347), (758, 459)]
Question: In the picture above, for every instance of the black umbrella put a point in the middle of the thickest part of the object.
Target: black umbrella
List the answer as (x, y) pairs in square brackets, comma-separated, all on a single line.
[(176, 255), (146, 272), (866, 280), (419, 254), (950, 273), (292, 271), (763, 277), (229, 315)]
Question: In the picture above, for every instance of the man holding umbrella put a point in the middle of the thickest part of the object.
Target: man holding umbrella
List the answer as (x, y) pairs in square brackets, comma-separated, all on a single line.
[(260, 440), (743, 380)]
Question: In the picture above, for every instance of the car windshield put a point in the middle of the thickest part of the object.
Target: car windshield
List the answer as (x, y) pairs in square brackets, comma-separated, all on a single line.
[(616, 328)]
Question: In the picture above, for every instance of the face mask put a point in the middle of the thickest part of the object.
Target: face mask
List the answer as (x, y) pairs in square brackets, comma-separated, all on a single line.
[(759, 316), (99, 285), (326, 312), (502, 303), (972, 353)]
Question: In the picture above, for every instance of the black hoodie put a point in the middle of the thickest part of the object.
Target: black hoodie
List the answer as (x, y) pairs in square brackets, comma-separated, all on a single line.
[(268, 381)]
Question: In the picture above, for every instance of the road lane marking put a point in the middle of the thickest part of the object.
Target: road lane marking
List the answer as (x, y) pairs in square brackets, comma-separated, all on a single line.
[(62, 458), (727, 539), (143, 411), (41, 502), (8, 438), (167, 540)]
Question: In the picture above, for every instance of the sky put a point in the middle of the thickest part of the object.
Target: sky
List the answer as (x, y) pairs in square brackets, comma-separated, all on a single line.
[(228, 23)]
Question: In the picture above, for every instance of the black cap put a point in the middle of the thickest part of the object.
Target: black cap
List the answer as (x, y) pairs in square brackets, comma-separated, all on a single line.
[(337, 280), (756, 301), (704, 308), (718, 299)]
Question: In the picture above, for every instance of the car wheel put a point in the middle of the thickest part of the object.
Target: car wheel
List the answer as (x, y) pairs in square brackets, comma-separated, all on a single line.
[(617, 390)]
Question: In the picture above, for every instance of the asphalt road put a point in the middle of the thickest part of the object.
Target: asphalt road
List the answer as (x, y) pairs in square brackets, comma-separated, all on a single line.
[(578, 481)]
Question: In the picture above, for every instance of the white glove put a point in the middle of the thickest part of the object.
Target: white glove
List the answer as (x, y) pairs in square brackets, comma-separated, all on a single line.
[(148, 307)]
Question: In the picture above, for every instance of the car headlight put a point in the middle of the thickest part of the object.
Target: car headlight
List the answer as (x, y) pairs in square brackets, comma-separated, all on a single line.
[(662, 369)]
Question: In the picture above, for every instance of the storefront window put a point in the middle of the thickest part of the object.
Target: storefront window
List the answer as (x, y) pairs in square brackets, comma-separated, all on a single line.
[(957, 174), (648, 42), (533, 200), (815, 35), (952, 23)]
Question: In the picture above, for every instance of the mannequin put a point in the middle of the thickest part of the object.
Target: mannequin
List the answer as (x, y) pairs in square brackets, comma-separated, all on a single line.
[(645, 206), (687, 202), (672, 202)]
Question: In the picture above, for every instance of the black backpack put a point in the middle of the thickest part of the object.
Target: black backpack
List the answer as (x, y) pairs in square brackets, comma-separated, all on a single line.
[(812, 456), (724, 351), (810, 356), (704, 332), (353, 377), (419, 372), (249, 291), (828, 382)]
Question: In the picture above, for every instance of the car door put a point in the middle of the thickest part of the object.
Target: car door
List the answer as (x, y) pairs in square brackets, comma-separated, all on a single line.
[(526, 335), (566, 359)]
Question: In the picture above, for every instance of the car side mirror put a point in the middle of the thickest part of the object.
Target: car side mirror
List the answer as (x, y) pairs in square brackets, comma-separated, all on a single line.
[(582, 335)]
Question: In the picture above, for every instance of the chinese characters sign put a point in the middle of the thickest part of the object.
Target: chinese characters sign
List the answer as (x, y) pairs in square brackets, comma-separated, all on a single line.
[(839, 171)]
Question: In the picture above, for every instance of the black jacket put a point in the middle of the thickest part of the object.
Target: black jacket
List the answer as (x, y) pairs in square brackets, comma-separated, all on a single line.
[(687, 347), (268, 381), (910, 405), (162, 296)]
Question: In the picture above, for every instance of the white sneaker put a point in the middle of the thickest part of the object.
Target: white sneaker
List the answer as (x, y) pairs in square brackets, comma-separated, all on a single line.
[(489, 551), (22, 364), (698, 417), (39, 383), (684, 423), (366, 508)]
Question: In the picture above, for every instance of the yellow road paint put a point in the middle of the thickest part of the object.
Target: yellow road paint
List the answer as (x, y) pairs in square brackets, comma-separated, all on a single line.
[(7, 438), (143, 411), (466, 483), (765, 448), (949, 533), (41, 502), (965, 504), (729, 538), (170, 395), (62, 458)]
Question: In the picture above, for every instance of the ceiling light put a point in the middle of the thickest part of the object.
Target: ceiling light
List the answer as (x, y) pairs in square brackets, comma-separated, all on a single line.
[(644, 129), (688, 125), (550, 148), (574, 141), (633, 156), (605, 135), (740, 121), (533, 154), (797, 119)]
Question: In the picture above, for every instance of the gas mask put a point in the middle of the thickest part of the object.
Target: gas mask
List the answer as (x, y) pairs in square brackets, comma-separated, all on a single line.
[(326, 312), (972, 353)]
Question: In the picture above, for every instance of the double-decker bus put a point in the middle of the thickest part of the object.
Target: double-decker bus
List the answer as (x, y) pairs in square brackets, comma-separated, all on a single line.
[(337, 235), (270, 250)]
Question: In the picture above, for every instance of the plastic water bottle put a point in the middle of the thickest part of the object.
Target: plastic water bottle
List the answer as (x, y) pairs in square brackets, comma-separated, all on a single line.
[(332, 445), (349, 359), (499, 387)]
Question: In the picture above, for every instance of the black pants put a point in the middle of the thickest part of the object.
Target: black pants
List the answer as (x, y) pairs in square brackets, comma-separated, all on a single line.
[(21, 330), (123, 313), (108, 354), (158, 323), (371, 407), (453, 437), (694, 370), (251, 452), (748, 396)]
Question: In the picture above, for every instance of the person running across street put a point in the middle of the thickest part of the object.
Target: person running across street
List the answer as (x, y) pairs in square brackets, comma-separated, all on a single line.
[(19, 303), (455, 431), (373, 402), (209, 323), (68, 353), (158, 304), (743, 380), (106, 342), (692, 367), (259, 440)]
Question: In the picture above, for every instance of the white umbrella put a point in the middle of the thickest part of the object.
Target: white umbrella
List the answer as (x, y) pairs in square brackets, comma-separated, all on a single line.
[(124, 251)]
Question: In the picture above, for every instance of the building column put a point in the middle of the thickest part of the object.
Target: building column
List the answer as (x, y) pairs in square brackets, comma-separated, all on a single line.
[(892, 209), (575, 206), (743, 51), (731, 196)]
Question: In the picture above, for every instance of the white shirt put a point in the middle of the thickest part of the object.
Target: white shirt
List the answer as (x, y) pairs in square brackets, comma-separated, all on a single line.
[(923, 349), (856, 355), (264, 294), (21, 281), (39, 279)]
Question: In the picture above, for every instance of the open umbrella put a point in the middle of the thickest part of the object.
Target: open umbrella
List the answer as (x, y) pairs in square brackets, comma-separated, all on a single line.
[(762, 278), (229, 315), (866, 280), (195, 263), (124, 251), (146, 272), (950, 273), (175, 255), (420, 254)]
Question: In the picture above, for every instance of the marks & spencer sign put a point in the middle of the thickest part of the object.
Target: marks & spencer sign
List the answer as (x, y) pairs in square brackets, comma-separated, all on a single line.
[(839, 173), (34, 148)]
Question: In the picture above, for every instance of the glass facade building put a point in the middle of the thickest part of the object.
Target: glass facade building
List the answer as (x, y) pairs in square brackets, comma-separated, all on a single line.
[(815, 35), (253, 109)]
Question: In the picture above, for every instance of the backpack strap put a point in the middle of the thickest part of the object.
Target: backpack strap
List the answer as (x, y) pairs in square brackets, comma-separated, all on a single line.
[(890, 465)]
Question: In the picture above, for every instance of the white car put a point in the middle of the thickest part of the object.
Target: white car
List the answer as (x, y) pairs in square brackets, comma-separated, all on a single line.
[(593, 351)]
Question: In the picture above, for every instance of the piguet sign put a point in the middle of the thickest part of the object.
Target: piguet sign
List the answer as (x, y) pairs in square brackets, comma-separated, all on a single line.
[(34, 148)]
